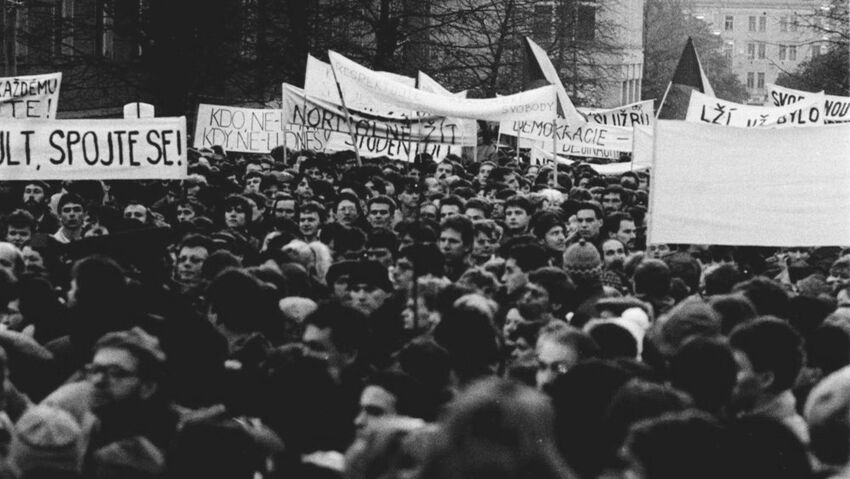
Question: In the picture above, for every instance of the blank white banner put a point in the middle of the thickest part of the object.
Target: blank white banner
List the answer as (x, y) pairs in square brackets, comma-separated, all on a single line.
[(745, 186)]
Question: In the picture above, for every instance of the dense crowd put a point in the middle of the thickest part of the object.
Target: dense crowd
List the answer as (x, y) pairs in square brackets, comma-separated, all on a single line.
[(302, 315)]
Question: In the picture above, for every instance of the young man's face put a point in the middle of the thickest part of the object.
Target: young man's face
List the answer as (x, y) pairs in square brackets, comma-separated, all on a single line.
[(375, 403), (366, 298), (253, 184), (483, 173), (71, 215), (611, 202), (235, 217), (514, 277), (380, 215), (448, 210), (114, 373), (284, 209), (185, 213), (588, 224), (190, 260), (19, 237), (346, 213), (512, 181), (627, 234), (451, 245), (309, 224), (484, 246), (516, 218), (474, 214), (444, 170)]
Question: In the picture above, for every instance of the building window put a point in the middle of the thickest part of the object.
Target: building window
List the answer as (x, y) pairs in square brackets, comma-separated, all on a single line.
[(542, 22), (585, 22), (65, 31), (792, 52), (762, 23), (729, 49), (730, 23), (783, 24), (105, 39), (752, 24), (751, 51), (750, 80), (794, 23), (782, 52), (762, 48), (761, 81), (624, 94), (816, 51)]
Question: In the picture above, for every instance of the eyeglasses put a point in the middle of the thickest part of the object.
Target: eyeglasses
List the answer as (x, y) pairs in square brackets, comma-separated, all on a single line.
[(560, 367), (114, 373)]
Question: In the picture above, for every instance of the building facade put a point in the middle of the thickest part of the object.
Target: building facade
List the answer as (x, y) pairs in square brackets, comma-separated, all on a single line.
[(764, 38)]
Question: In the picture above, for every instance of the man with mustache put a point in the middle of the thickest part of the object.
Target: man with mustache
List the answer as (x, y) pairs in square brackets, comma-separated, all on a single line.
[(35, 197)]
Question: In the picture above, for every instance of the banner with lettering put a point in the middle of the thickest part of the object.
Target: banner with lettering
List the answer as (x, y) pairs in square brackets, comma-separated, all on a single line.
[(113, 149), (836, 108), (639, 113), (357, 81), (594, 136), (245, 130), (714, 111), (321, 126), (30, 97)]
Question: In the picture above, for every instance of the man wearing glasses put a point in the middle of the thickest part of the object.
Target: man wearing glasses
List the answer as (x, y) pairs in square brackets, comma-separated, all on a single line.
[(71, 218), (125, 374)]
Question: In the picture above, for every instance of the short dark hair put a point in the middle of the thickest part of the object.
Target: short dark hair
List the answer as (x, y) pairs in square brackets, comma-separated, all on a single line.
[(426, 258), (348, 325), (520, 202), (314, 207), (479, 204), (612, 222), (408, 392), (591, 205), (462, 225), (529, 256), (382, 199), (452, 200), (197, 241), (21, 219), (767, 296), (771, 344), (69, 198), (228, 294)]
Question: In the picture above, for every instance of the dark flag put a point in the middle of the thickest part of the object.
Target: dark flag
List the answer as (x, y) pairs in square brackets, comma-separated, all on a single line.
[(689, 76)]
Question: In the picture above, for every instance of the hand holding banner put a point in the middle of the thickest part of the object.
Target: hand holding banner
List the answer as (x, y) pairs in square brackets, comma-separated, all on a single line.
[(357, 81)]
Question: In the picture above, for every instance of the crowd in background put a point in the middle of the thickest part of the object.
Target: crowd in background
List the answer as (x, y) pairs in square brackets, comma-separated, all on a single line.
[(300, 315)]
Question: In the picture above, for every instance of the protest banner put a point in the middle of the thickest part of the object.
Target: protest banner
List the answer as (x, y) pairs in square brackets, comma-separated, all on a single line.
[(643, 144), (319, 83), (245, 130), (138, 110), (547, 71), (836, 108), (588, 136), (714, 111), (639, 113), (606, 169), (426, 83), (739, 186), (570, 149), (30, 97), (321, 126), (153, 148), (358, 81), (318, 114)]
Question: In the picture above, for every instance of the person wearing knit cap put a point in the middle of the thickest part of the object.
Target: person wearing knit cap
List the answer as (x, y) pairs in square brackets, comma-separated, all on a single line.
[(583, 265), (48, 440)]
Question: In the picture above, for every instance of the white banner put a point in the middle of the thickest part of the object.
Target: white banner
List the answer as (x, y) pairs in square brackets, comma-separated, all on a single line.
[(139, 110), (639, 113), (30, 97), (643, 143), (714, 111), (323, 127), (570, 149), (588, 135), (426, 83), (319, 83), (761, 187), (836, 108), (357, 81), (246, 130), (111, 149)]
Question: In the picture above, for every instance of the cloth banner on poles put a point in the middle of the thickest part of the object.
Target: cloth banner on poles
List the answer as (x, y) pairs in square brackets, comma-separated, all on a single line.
[(323, 127), (426, 83), (642, 149), (30, 97), (588, 135), (714, 111), (744, 186), (152, 148), (319, 83), (836, 109), (639, 113), (244, 130), (357, 81)]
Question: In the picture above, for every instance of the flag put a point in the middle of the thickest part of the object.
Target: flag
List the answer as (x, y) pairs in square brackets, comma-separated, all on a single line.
[(541, 72), (689, 76)]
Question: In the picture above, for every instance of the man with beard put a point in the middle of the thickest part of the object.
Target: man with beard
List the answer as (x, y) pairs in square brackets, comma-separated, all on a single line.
[(125, 375), (621, 226), (71, 217), (35, 200)]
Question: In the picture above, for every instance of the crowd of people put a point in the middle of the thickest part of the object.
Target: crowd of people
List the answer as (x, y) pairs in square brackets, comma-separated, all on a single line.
[(303, 315)]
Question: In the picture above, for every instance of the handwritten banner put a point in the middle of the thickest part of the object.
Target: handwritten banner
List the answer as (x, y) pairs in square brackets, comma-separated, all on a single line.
[(314, 113), (356, 80), (308, 138), (153, 148), (589, 135), (836, 108), (639, 113), (711, 110), (30, 97), (246, 130)]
